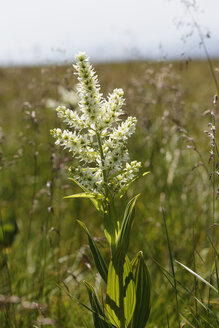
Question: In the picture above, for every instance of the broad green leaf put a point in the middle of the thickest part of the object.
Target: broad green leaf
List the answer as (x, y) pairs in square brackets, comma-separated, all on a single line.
[(98, 259), (142, 283), (121, 293), (99, 318), (122, 242)]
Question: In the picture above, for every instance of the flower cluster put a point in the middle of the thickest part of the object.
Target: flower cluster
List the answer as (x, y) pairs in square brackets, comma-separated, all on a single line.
[(98, 139)]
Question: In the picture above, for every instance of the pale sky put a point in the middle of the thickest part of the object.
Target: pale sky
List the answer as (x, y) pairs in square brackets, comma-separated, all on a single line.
[(48, 31)]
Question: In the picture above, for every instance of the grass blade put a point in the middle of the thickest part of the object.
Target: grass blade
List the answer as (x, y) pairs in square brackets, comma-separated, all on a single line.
[(197, 276), (172, 266)]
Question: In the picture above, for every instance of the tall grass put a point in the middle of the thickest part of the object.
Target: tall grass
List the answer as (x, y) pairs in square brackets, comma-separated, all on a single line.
[(44, 265)]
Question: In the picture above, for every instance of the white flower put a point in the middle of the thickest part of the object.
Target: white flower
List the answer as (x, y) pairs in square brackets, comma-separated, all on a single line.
[(121, 133), (99, 139), (70, 117), (129, 173), (90, 178), (111, 109), (88, 89), (78, 144)]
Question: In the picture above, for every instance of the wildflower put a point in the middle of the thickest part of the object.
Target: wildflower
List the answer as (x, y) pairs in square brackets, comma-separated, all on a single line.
[(98, 138)]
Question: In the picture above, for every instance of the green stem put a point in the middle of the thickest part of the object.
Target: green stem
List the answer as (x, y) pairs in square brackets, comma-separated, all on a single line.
[(101, 155), (110, 220)]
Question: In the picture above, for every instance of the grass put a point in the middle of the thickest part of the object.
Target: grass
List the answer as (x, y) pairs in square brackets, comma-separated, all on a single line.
[(49, 256)]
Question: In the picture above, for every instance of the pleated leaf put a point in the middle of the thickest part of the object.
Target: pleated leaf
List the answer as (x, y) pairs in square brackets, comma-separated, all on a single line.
[(121, 293), (124, 234), (142, 283), (99, 318), (98, 259)]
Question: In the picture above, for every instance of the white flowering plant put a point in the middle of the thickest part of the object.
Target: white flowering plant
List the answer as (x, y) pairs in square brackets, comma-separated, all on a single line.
[(98, 137)]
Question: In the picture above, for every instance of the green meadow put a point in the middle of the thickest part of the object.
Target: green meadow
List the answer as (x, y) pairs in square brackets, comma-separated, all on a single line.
[(44, 253)]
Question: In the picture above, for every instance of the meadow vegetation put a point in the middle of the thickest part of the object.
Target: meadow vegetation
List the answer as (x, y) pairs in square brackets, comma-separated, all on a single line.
[(46, 254)]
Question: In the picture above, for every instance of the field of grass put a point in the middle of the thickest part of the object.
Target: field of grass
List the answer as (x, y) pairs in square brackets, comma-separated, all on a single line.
[(43, 263)]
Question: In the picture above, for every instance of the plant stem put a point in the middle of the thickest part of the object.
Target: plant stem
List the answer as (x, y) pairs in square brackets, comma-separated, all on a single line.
[(102, 156)]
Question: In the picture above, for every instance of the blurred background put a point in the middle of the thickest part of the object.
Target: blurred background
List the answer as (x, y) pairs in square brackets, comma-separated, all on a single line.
[(165, 56), (52, 31)]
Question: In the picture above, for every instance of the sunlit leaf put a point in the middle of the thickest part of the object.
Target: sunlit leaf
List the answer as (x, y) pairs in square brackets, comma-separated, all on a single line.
[(124, 235), (142, 283), (85, 195), (96, 200), (121, 293)]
